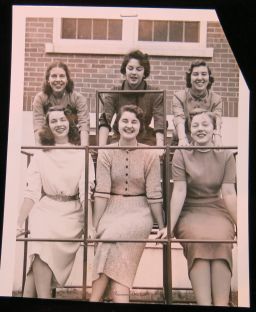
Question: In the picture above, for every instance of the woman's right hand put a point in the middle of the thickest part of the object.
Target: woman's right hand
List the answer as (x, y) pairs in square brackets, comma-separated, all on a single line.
[(161, 234), (183, 142)]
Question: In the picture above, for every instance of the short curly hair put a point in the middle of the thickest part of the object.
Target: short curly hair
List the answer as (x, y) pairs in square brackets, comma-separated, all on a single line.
[(143, 59), (198, 63), (47, 89), (138, 112), (46, 136)]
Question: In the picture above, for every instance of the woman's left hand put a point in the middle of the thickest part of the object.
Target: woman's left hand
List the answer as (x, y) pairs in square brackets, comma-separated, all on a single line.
[(91, 232)]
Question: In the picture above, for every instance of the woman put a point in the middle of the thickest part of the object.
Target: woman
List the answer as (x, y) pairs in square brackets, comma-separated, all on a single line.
[(203, 206), (128, 196), (135, 68), (199, 80), (58, 91), (55, 191)]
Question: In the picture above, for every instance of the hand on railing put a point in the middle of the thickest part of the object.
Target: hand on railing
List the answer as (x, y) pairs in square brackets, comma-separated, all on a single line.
[(161, 234), (183, 142), (91, 232), (217, 140), (21, 231)]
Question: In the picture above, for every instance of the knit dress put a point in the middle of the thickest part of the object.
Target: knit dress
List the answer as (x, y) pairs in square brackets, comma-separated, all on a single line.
[(57, 172), (204, 215), (130, 179)]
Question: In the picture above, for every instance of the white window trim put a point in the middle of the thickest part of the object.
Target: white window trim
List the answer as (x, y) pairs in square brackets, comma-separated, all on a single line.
[(129, 40)]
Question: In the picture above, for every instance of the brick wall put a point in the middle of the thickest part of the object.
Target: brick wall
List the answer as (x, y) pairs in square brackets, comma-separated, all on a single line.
[(92, 72)]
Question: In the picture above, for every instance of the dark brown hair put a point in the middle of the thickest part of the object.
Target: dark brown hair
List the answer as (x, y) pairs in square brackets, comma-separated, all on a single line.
[(46, 136), (141, 57), (194, 64), (46, 86)]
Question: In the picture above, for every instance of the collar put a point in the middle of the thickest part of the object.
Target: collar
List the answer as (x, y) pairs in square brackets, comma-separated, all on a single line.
[(141, 86), (198, 97)]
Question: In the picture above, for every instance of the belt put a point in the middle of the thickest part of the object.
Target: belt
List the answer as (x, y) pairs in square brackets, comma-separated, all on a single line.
[(63, 198), (126, 195)]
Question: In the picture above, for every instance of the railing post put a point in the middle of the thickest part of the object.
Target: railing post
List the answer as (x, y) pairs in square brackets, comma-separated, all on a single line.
[(97, 117), (165, 114), (25, 251), (167, 271), (85, 222)]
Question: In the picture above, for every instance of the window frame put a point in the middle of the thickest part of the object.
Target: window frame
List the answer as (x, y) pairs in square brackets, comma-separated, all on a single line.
[(130, 33)]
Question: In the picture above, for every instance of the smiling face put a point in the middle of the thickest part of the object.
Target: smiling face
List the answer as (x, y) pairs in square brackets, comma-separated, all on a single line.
[(58, 80), (59, 126), (128, 126), (134, 73), (199, 79), (202, 129)]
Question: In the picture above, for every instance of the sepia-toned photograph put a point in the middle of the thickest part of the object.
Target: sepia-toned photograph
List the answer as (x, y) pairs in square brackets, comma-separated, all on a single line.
[(127, 158)]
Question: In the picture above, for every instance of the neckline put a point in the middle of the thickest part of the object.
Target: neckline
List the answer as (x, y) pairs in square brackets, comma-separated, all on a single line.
[(133, 147), (198, 96)]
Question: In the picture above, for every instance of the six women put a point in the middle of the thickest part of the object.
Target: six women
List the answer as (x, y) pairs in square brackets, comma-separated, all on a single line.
[(128, 197)]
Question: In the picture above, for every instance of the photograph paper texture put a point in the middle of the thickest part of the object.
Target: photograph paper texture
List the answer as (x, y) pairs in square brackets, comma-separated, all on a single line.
[(42, 35)]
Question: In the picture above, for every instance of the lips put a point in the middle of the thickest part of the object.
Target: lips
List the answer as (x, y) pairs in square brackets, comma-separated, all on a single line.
[(200, 84), (60, 129), (129, 130), (133, 78), (201, 135)]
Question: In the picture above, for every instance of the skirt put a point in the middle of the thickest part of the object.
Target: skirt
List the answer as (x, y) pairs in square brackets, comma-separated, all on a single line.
[(206, 221), (123, 218), (52, 219)]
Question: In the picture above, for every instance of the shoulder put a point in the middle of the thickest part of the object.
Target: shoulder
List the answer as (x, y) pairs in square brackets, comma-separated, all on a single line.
[(117, 87), (149, 154), (225, 154), (182, 155), (40, 98), (76, 95), (150, 87), (181, 95), (107, 152), (215, 97)]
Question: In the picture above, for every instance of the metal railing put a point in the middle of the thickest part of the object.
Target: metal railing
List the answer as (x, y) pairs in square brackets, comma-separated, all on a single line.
[(167, 252)]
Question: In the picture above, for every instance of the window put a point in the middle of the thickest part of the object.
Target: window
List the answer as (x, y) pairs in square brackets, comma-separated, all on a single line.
[(164, 32), (91, 29), (169, 31)]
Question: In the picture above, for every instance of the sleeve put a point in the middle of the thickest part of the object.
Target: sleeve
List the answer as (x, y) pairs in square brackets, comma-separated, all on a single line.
[(79, 101), (178, 167), (33, 188), (178, 110), (153, 178), (217, 108), (158, 112), (230, 169), (91, 180), (109, 109), (38, 111), (217, 105), (103, 176)]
